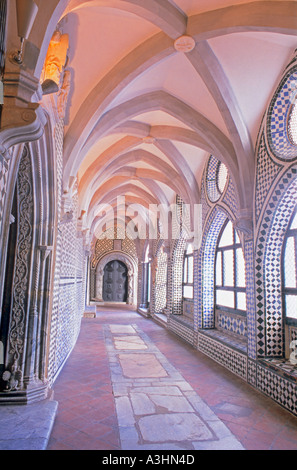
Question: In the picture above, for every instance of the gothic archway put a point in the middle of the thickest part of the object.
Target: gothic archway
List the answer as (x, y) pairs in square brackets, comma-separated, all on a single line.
[(207, 261), (270, 319), (131, 276)]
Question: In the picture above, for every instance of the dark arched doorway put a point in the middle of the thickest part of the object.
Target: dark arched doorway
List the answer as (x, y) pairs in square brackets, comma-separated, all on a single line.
[(115, 282)]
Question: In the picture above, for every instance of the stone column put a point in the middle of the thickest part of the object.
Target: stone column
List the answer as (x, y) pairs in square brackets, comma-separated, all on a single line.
[(99, 283), (43, 297)]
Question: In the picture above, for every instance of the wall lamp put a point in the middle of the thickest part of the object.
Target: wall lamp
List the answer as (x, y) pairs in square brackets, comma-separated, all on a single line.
[(26, 11)]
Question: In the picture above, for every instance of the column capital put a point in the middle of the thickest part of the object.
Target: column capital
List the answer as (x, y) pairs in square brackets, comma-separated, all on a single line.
[(21, 119), (45, 250), (244, 223)]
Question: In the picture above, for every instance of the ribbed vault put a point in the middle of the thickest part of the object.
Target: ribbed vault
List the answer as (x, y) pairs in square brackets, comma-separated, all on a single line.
[(144, 115)]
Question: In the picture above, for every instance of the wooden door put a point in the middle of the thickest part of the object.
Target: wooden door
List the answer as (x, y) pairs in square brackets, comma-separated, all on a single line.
[(115, 282)]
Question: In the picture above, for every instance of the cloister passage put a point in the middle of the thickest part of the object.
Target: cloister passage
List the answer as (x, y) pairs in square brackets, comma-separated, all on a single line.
[(148, 160), (144, 388)]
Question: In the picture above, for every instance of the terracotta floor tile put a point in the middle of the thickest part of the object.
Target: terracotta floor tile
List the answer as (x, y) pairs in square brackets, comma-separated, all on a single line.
[(78, 423), (61, 432), (283, 444), (112, 438), (99, 414), (96, 429), (57, 445)]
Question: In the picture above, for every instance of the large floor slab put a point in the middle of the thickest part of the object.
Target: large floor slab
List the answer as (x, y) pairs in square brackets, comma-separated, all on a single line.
[(157, 409), (27, 427)]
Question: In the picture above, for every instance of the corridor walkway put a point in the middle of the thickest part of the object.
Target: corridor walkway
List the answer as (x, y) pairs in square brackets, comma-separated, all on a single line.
[(130, 384)]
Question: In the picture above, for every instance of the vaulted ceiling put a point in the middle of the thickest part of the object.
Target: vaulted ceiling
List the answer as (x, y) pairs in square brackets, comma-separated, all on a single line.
[(144, 114)]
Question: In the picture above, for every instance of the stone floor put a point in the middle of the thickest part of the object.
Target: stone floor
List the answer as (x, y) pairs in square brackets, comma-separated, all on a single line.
[(130, 384), (27, 427)]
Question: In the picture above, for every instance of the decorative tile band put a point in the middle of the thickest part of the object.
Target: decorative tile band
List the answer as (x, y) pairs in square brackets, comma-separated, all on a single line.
[(188, 309), (250, 298), (183, 331), (267, 171), (278, 388), (227, 357), (252, 372), (232, 323)]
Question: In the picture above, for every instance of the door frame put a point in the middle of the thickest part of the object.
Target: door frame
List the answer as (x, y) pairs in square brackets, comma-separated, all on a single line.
[(131, 275)]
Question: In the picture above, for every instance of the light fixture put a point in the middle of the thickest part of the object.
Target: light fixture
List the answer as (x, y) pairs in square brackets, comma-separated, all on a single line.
[(26, 11)]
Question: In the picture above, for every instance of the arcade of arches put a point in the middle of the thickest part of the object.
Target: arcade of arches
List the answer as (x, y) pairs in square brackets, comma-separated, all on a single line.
[(148, 159)]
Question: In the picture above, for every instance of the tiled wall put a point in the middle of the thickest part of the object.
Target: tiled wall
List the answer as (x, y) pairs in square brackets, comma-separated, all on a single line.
[(182, 329), (280, 389), (274, 203), (69, 280), (228, 357), (188, 309), (160, 288), (231, 323)]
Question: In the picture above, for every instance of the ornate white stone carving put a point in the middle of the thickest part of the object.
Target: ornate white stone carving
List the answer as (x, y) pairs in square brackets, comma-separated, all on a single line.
[(244, 224), (16, 335)]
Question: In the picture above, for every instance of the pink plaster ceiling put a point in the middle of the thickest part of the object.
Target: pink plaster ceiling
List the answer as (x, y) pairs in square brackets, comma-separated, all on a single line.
[(192, 7), (98, 41), (129, 82)]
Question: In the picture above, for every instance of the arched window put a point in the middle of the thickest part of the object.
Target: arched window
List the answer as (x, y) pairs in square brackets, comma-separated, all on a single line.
[(216, 179), (292, 123), (281, 127), (230, 287), (289, 271), (188, 274)]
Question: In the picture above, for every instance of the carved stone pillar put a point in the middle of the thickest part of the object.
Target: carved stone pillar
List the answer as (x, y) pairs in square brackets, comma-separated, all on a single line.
[(92, 283), (16, 335), (144, 285), (244, 224), (130, 293), (99, 283), (22, 384), (43, 298)]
